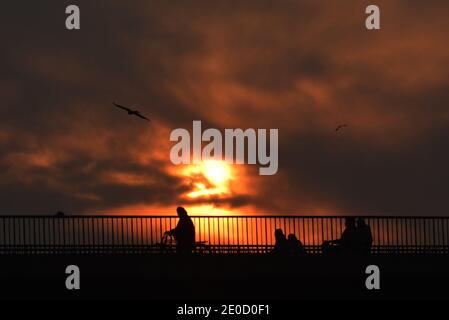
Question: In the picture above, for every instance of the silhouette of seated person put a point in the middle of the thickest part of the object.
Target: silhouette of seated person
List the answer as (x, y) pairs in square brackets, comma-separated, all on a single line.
[(294, 245), (365, 237), (348, 241), (280, 245), (184, 233)]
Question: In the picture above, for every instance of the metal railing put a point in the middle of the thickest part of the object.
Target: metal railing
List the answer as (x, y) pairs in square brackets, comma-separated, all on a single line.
[(214, 234)]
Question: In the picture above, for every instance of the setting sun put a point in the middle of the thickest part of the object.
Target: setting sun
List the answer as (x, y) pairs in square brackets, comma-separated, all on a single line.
[(209, 178), (217, 172)]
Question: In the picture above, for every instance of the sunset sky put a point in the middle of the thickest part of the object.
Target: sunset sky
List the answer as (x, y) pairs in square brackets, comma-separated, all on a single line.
[(300, 66)]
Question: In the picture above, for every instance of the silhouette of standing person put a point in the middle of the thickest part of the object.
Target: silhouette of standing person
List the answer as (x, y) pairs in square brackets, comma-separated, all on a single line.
[(365, 237), (184, 233), (347, 242), (280, 245)]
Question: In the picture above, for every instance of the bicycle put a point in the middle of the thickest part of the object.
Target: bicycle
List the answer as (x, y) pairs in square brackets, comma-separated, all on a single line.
[(168, 245)]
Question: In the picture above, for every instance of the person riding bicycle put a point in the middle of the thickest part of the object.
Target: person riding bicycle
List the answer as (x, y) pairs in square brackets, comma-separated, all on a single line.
[(184, 233)]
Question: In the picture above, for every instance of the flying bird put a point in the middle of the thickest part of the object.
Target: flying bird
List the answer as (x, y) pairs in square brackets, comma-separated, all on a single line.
[(341, 126), (131, 112)]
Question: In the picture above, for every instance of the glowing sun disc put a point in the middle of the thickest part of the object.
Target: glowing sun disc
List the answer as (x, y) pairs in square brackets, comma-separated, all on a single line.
[(216, 172)]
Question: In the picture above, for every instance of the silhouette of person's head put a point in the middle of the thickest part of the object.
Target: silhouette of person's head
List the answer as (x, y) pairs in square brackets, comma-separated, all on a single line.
[(350, 222), (292, 237), (361, 223), (279, 234), (182, 213)]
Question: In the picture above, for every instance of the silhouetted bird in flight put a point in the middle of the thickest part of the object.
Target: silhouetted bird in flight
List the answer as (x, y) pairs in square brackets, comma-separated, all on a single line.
[(340, 127), (131, 112)]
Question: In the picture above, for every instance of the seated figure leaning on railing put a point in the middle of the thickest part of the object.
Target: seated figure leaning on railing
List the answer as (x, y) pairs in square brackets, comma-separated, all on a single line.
[(184, 233), (364, 236), (284, 245), (347, 242), (354, 239)]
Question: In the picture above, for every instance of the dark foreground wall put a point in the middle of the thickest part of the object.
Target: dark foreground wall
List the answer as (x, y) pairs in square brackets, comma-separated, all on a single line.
[(223, 277)]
